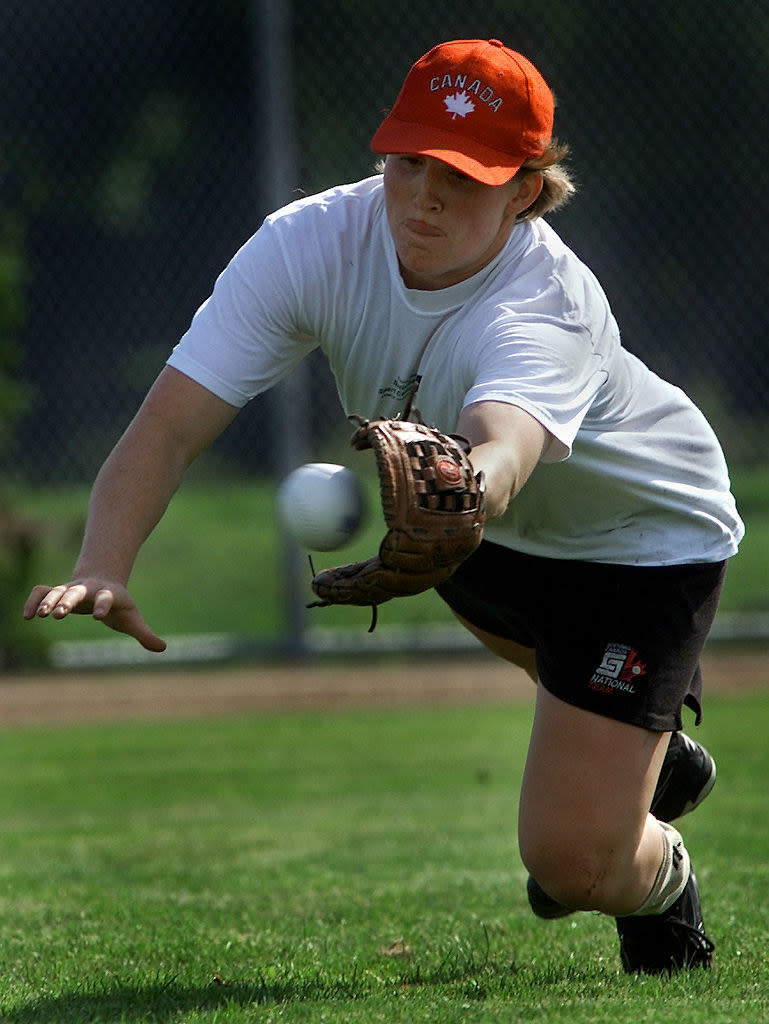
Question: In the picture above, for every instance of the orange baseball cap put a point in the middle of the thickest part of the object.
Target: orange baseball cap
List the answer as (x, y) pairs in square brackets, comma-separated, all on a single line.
[(475, 105)]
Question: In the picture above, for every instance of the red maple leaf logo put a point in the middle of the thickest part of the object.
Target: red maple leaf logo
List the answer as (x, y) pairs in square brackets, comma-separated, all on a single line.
[(633, 668)]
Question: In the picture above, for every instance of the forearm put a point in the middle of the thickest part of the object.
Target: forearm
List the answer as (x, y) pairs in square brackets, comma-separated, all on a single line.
[(507, 443), (129, 497), (177, 421), (502, 474)]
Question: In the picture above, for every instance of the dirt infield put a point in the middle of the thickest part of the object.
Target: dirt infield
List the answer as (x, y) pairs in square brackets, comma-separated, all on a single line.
[(139, 694)]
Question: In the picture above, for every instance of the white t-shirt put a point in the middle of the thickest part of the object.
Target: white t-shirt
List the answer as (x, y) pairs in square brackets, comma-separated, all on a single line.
[(633, 474)]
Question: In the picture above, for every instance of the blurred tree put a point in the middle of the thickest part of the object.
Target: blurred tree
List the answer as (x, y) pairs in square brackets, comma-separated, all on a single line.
[(18, 537), (14, 397), (120, 139)]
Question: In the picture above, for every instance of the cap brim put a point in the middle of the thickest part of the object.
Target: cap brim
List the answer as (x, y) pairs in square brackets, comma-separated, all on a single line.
[(486, 165)]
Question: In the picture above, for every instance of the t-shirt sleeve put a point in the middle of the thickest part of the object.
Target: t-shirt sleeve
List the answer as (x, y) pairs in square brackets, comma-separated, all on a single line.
[(247, 335), (546, 366)]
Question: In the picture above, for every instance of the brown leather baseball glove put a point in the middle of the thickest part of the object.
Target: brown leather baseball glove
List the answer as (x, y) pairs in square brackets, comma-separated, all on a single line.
[(434, 507)]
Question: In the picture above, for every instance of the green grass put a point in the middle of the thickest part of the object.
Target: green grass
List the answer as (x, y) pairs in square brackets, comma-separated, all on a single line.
[(284, 855), (215, 563)]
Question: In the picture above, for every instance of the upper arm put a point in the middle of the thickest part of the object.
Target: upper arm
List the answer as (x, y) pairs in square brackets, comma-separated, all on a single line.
[(507, 443), (180, 415)]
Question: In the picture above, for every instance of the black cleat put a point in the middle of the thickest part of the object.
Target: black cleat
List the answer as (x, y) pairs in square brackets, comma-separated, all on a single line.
[(687, 775), (544, 906), (663, 943)]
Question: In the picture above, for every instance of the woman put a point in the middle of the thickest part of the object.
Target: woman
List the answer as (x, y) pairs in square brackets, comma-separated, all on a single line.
[(610, 517)]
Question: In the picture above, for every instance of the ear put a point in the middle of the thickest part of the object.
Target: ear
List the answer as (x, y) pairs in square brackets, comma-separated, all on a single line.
[(527, 192)]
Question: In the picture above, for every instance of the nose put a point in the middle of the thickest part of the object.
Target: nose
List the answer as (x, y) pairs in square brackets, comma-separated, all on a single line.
[(427, 194)]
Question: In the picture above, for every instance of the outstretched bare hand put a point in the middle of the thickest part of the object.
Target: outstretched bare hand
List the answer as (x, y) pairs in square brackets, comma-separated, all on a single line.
[(108, 601)]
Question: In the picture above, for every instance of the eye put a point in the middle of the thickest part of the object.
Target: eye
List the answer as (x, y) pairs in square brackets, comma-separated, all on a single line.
[(461, 178)]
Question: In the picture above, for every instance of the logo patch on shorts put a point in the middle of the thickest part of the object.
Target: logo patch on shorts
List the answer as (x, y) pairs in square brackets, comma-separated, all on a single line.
[(619, 670)]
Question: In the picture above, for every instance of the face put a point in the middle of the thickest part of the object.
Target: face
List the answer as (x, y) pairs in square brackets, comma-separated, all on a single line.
[(445, 225)]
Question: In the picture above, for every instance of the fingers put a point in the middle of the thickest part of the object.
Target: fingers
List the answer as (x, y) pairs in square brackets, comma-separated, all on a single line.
[(151, 641), (102, 603), (44, 605), (59, 601), (111, 605), (34, 601), (134, 625), (74, 598)]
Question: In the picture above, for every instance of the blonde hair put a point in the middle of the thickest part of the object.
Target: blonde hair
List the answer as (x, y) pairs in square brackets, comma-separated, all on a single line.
[(557, 184)]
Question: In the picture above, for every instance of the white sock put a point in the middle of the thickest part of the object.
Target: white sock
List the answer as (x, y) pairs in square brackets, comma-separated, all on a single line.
[(672, 876)]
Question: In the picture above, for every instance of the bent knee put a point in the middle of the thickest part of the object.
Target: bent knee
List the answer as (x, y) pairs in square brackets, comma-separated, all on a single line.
[(582, 878)]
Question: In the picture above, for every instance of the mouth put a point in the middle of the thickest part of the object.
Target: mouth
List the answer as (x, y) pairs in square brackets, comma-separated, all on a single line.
[(422, 228)]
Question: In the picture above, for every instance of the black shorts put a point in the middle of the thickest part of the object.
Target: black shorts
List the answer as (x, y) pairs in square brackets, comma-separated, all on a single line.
[(624, 641)]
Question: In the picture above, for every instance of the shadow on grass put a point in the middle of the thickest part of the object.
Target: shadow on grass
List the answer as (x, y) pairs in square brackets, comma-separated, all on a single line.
[(109, 1000), (467, 969), (163, 1001)]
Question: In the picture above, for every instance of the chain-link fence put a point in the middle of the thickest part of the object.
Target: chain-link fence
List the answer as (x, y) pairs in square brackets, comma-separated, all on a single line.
[(142, 143)]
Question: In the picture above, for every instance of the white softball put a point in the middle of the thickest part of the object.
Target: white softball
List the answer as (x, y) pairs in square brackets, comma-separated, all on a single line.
[(321, 505)]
